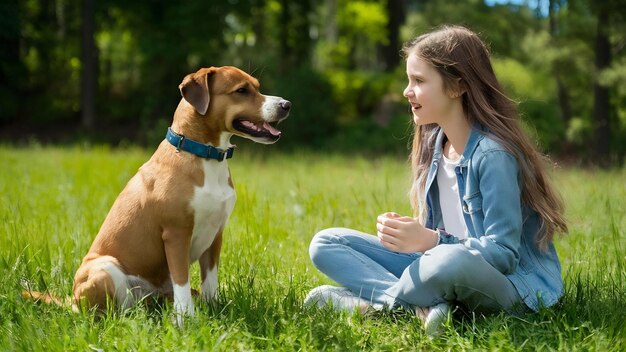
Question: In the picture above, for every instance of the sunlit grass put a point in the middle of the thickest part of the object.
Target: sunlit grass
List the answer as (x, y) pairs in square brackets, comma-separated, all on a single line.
[(53, 201)]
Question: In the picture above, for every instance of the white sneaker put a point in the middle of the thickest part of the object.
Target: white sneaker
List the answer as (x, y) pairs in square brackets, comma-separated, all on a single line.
[(436, 318), (341, 298)]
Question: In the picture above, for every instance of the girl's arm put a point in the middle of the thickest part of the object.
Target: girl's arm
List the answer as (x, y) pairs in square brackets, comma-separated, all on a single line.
[(404, 234), (498, 203)]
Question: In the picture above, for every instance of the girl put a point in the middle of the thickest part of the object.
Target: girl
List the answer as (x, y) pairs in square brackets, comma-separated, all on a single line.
[(485, 213)]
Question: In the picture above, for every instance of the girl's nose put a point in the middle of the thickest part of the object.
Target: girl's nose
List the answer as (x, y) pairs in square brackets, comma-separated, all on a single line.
[(407, 92)]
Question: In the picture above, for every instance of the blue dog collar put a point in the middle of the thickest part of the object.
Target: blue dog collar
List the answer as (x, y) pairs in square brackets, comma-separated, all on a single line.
[(197, 148)]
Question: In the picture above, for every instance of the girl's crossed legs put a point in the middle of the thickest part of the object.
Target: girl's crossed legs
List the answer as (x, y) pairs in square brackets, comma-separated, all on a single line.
[(444, 274)]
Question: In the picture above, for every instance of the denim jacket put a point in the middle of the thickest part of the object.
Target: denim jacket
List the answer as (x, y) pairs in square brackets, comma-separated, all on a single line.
[(500, 228)]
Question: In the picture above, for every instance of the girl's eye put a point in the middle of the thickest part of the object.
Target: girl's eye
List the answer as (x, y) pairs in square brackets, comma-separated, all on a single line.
[(415, 80), (242, 90)]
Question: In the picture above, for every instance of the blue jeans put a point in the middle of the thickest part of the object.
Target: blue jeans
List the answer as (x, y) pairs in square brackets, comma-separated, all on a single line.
[(449, 273)]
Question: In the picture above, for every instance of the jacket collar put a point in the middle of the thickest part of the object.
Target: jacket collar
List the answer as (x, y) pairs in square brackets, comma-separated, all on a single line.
[(477, 133)]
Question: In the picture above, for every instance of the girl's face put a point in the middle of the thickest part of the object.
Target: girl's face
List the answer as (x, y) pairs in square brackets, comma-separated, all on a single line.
[(425, 92)]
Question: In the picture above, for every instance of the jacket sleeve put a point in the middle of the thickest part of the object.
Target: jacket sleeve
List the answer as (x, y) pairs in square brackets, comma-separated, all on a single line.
[(498, 179)]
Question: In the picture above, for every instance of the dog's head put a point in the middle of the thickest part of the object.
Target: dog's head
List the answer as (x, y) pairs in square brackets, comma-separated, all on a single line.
[(229, 99)]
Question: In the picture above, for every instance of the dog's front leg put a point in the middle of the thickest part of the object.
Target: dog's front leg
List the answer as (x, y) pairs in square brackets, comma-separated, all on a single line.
[(209, 261), (177, 243)]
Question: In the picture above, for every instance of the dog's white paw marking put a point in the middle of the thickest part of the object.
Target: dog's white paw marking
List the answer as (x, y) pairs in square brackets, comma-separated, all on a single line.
[(183, 303), (209, 285)]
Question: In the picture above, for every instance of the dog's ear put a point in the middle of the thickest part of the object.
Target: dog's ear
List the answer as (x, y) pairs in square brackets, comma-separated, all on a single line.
[(195, 90)]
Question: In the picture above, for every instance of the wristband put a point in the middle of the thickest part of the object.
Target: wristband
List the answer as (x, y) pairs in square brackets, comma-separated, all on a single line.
[(445, 238)]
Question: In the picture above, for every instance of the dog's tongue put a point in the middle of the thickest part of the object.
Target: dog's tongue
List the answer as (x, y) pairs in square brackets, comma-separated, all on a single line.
[(266, 127), (271, 129)]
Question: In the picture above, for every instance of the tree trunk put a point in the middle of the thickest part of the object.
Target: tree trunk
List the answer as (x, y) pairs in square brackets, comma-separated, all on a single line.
[(285, 20), (330, 22), (396, 10), (602, 107), (294, 34), (562, 94), (11, 69), (89, 73)]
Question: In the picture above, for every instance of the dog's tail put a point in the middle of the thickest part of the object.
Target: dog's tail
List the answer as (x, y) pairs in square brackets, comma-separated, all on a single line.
[(47, 298)]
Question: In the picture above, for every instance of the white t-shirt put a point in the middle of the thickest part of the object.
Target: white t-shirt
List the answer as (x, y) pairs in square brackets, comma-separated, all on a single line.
[(449, 200)]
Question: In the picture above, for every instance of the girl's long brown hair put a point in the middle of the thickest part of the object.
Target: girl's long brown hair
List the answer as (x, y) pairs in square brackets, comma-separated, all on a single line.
[(459, 55)]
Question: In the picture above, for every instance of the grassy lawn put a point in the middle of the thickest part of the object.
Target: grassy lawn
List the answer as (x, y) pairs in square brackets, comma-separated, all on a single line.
[(53, 200)]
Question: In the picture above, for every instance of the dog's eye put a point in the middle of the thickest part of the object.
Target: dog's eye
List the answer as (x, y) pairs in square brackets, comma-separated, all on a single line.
[(242, 90)]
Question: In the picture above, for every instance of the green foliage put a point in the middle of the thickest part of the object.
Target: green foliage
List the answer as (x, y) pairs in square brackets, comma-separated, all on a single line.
[(312, 119), (54, 200), (556, 58), (146, 48), (356, 92), (500, 25), (369, 137), (366, 18), (336, 110), (11, 68), (46, 79), (352, 36), (614, 77), (535, 93)]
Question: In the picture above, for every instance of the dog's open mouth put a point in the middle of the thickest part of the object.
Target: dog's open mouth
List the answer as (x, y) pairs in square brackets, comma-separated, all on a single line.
[(264, 130)]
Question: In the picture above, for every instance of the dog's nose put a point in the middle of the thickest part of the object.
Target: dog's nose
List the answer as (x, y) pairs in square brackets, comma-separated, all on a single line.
[(285, 104)]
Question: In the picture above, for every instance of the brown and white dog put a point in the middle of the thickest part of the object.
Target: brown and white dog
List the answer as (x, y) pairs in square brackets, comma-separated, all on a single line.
[(173, 211)]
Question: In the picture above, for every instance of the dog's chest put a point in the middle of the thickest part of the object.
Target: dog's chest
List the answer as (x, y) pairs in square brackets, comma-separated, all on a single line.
[(212, 204)]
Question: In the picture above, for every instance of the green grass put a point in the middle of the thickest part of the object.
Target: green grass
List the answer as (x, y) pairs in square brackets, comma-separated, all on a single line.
[(53, 201)]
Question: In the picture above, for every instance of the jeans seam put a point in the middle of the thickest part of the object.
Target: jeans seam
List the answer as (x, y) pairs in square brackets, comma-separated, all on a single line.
[(345, 242)]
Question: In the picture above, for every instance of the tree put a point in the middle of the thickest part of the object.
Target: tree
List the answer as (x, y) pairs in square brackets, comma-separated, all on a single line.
[(601, 106), (562, 94), (608, 14), (295, 43), (11, 67), (396, 10), (89, 73)]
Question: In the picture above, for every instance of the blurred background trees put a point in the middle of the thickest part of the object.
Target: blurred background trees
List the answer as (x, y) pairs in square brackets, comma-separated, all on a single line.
[(109, 71)]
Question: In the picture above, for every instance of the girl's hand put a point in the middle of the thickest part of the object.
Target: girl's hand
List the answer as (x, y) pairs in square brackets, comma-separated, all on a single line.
[(404, 234)]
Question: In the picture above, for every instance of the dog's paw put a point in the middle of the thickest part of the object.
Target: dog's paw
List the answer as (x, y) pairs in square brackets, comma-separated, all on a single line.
[(183, 303), (184, 308), (209, 295), (209, 286), (182, 311)]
